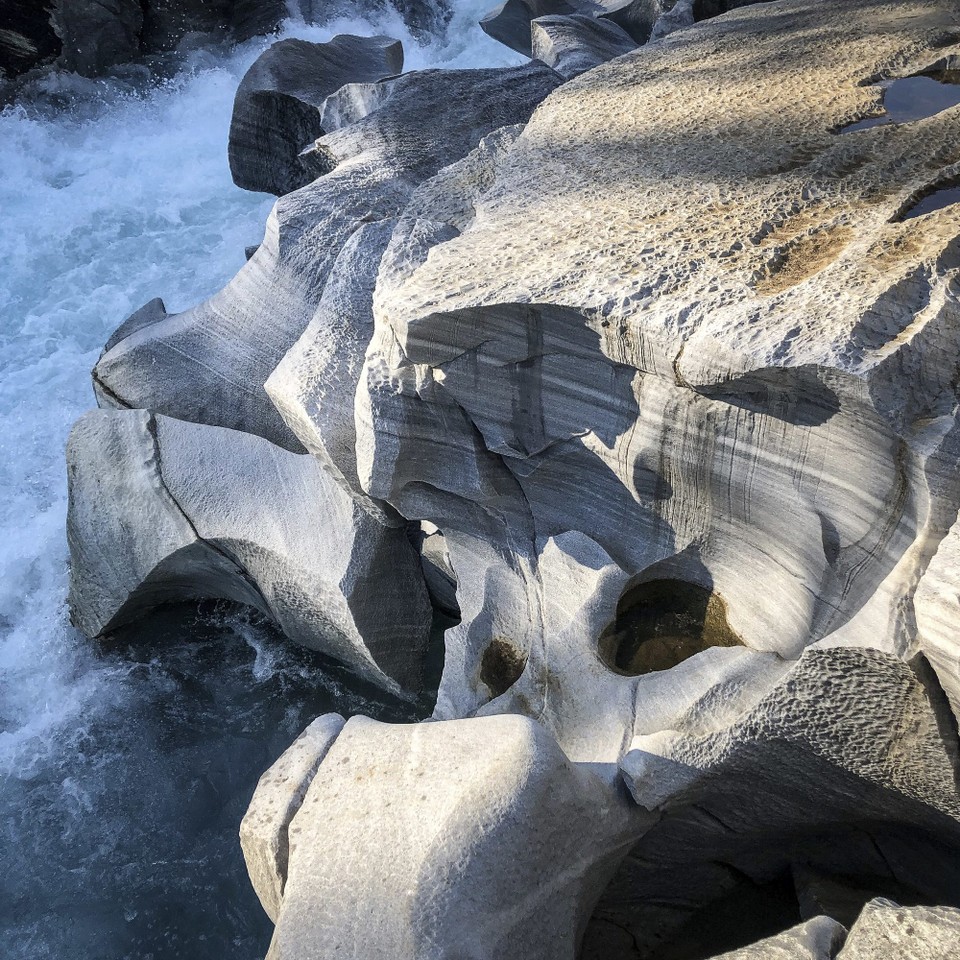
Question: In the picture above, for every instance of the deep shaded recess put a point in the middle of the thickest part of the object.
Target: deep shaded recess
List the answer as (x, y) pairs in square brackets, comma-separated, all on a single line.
[(127, 834), (707, 9), (675, 911), (912, 98), (794, 395), (661, 623), (501, 666)]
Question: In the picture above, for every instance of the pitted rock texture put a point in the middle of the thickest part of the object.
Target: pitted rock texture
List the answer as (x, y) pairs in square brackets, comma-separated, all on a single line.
[(209, 364), (279, 105), (841, 783), (817, 939), (162, 510), (886, 929)]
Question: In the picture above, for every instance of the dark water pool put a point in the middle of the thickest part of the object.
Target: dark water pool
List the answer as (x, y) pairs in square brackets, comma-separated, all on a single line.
[(123, 842)]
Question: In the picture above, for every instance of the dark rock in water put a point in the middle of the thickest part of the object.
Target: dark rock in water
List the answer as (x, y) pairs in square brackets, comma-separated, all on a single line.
[(278, 107), (573, 45), (639, 16), (167, 22), (510, 22), (26, 36), (96, 36), (251, 18)]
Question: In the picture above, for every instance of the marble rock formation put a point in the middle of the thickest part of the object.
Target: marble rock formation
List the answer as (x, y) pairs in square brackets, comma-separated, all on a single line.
[(658, 372), (278, 107), (443, 840), (209, 364), (573, 45), (162, 510), (264, 830), (511, 22), (740, 812), (697, 368)]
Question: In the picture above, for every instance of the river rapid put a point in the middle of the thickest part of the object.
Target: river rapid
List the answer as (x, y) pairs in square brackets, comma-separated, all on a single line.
[(125, 767)]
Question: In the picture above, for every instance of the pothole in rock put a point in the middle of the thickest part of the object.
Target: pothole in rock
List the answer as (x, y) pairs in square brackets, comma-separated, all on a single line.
[(936, 198), (501, 666), (661, 623), (912, 98)]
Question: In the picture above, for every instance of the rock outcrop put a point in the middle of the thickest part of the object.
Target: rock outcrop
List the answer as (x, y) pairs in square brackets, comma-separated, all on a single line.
[(209, 364), (487, 843), (279, 104), (511, 23), (91, 37), (886, 929), (656, 369), (573, 45), (162, 510)]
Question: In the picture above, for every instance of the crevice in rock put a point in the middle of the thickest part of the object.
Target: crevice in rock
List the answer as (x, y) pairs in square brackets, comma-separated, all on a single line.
[(241, 572)]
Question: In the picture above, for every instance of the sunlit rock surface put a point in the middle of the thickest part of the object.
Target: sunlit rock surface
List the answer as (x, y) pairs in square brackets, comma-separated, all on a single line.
[(209, 364), (471, 838), (886, 929), (264, 831), (657, 370), (162, 510), (817, 939)]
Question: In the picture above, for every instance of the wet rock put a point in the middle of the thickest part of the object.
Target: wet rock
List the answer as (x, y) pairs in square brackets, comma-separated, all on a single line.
[(498, 845), (279, 795), (27, 38), (278, 106), (162, 510), (96, 36), (573, 45)]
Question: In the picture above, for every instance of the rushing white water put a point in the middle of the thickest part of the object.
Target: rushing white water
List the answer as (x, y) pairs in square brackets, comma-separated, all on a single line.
[(121, 197)]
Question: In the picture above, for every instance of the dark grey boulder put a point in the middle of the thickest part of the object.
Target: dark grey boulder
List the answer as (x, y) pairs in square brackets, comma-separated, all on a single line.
[(510, 22), (573, 45), (278, 107), (26, 36), (97, 35)]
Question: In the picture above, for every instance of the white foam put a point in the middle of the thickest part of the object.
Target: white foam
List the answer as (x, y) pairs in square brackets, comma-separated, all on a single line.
[(102, 209)]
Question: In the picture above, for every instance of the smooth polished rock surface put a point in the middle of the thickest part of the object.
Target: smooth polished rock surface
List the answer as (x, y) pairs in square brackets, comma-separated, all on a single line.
[(937, 608), (209, 364), (278, 107), (279, 795), (573, 45), (443, 840), (162, 510)]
